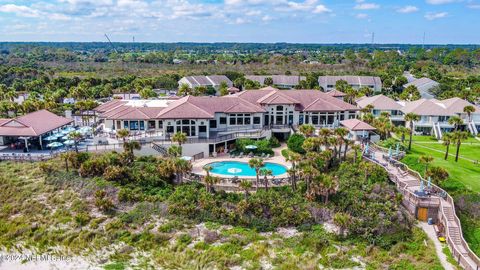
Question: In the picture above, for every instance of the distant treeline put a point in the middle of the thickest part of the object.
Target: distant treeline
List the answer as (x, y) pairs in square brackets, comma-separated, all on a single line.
[(6, 47)]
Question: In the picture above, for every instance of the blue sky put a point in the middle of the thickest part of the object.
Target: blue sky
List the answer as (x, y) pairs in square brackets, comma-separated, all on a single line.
[(302, 21)]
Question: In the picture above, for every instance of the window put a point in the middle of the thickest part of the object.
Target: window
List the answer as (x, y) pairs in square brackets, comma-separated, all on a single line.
[(256, 120), (202, 129), (125, 124), (142, 125), (151, 124), (119, 124), (133, 125), (213, 123), (279, 108), (315, 119), (240, 119), (186, 126), (223, 120), (170, 129), (160, 124)]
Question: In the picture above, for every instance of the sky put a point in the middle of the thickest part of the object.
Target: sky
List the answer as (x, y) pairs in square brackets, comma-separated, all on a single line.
[(266, 21)]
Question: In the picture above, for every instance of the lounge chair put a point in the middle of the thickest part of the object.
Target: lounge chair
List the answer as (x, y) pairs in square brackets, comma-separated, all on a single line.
[(268, 156), (240, 155)]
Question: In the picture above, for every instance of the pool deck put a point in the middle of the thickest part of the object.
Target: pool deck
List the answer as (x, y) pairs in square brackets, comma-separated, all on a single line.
[(277, 158)]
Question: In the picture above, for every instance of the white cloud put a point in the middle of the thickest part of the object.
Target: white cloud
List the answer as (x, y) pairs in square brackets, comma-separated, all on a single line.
[(321, 9), (435, 15), (440, 2), (266, 18), (361, 16), (21, 11), (366, 6), (407, 9)]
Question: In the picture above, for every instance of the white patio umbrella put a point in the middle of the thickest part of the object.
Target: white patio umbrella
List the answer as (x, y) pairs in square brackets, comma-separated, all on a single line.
[(54, 144), (69, 142)]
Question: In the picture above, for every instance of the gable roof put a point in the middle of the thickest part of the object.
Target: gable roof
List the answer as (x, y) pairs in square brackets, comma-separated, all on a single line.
[(352, 80), (336, 93), (425, 107), (456, 105), (356, 125), (32, 124), (277, 79), (424, 85), (379, 102)]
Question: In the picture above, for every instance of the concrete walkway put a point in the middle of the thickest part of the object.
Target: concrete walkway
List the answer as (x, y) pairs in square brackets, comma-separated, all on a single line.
[(428, 229)]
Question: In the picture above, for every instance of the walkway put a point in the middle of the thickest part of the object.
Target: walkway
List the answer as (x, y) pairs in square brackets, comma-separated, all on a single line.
[(428, 229), (408, 182)]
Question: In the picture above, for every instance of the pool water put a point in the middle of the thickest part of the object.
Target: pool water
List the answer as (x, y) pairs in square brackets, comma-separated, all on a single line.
[(236, 168)]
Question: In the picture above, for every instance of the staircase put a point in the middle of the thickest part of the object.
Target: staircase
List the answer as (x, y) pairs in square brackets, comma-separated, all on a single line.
[(473, 128), (160, 149), (437, 131)]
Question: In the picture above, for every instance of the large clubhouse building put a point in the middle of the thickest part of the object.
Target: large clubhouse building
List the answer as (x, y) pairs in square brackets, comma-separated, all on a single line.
[(210, 117)]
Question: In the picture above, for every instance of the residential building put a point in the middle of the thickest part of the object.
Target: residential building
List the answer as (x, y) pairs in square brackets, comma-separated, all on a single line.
[(434, 114), (382, 103), (424, 86), (357, 82), (206, 81), (280, 81), (213, 120)]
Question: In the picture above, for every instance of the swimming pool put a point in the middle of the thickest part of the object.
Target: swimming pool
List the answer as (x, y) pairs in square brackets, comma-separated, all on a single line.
[(236, 168)]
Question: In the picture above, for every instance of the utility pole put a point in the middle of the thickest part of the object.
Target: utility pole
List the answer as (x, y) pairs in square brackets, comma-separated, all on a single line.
[(111, 43), (373, 39), (133, 39)]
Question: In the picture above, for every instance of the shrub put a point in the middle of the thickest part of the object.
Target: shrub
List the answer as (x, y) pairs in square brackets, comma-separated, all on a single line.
[(93, 167), (103, 203), (274, 142), (295, 143), (119, 174), (82, 219), (130, 195)]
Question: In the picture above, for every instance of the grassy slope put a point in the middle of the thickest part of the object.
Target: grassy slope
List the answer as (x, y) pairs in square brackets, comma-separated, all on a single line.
[(462, 173), (39, 214)]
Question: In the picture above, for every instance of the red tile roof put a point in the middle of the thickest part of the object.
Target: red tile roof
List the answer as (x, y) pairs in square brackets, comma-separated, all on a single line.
[(336, 93), (250, 101), (356, 125), (33, 124)]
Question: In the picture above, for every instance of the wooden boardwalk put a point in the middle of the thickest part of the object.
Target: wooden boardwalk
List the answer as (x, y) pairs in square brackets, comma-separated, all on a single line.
[(439, 204)]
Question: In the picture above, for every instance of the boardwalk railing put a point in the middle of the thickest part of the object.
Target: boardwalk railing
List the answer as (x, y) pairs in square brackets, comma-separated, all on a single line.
[(447, 215)]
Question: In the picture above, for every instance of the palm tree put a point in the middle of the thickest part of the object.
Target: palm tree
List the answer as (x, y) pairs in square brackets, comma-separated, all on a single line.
[(455, 121), (129, 147), (368, 118), (266, 173), (246, 186), (76, 137), (328, 185), (174, 151), (345, 150), (179, 137), (181, 166), (210, 181), (340, 133), (355, 148), (411, 118), (447, 139), (469, 110), (458, 137), (123, 134), (424, 159), (257, 164), (308, 172), (324, 134), (342, 220), (293, 158), (307, 130), (367, 109), (402, 131)]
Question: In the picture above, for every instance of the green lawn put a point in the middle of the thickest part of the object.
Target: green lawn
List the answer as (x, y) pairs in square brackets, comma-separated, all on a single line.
[(468, 150), (463, 171)]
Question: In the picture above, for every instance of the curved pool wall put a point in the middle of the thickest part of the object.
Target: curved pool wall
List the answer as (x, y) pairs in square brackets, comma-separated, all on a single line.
[(237, 168)]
